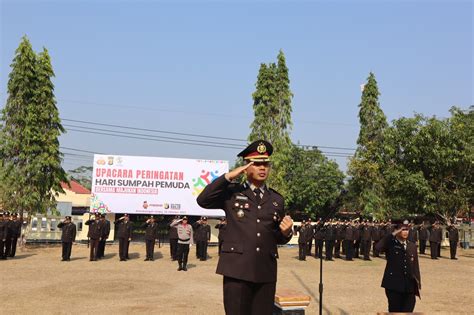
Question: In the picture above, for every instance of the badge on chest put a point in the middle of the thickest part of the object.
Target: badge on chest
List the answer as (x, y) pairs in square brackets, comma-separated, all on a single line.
[(241, 203)]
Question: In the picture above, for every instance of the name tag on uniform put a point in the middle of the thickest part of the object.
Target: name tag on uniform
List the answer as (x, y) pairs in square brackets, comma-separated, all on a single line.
[(240, 197)]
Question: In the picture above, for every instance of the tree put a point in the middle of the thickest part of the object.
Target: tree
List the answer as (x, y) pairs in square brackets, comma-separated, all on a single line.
[(314, 182), (272, 110), (30, 131), (366, 185), (82, 175), (429, 164)]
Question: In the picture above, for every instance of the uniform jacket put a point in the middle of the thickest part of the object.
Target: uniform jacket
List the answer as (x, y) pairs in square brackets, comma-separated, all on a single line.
[(14, 229), (413, 234), (106, 229), (302, 233), (173, 231), (96, 228), (249, 251), (202, 232), (436, 235), (68, 232), (124, 229), (453, 233), (221, 227), (3, 230), (349, 233), (151, 231), (402, 272), (366, 233), (375, 233), (185, 232), (329, 232), (423, 233)]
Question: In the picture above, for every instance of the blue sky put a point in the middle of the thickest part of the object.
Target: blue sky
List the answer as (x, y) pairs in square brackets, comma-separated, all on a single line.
[(191, 66)]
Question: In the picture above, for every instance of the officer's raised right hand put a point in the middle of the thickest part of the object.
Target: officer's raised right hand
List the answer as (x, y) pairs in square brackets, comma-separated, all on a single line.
[(237, 171)]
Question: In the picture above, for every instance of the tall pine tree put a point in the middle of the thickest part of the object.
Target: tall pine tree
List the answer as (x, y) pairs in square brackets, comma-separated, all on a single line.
[(29, 140), (272, 110), (365, 168)]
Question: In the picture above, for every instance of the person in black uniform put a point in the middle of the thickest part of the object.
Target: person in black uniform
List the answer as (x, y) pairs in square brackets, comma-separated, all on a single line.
[(221, 227), (124, 233), (375, 235), (435, 240), (401, 278), (356, 237), (366, 239), (302, 235), (151, 234), (423, 236), (202, 236), (14, 233), (349, 241), (318, 239), (68, 236), (173, 236), (329, 238), (310, 231), (104, 237), (339, 239), (256, 224), (3, 235), (453, 240), (95, 234)]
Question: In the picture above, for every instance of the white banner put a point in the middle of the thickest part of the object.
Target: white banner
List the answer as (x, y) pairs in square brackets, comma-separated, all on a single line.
[(152, 185)]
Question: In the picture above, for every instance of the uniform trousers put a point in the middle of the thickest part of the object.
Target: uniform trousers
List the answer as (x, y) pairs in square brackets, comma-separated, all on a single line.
[(123, 248), (337, 249), (422, 246), (150, 248), (365, 247), (3, 254), (67, 248), (302, 251), (12, 250), (348, 245), (202, 250), (434, 250), (249, 298), (375, 252), (318, 248), (309, 246), (183, 252), (329, 246), (94, 245), (400, 302), (452, 248), (101, 249), (174, 248)]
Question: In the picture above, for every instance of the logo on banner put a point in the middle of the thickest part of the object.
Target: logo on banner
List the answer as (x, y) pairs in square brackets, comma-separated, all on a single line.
[(97, 205), (203, 180)]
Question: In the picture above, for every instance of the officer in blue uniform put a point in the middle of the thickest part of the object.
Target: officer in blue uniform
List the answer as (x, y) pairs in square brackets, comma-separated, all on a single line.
[(256, 224)]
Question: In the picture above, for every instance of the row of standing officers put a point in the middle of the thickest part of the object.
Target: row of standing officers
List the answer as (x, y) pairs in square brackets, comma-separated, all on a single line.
[(355, 238), (10, 231)]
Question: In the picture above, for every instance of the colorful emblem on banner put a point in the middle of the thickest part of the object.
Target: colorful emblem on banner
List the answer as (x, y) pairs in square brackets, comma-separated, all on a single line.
[(203, 180)]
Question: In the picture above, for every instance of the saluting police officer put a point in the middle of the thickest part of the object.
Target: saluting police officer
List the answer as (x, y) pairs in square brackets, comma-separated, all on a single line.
[(151, 234), (95, 234), (401, 278), (104, 237), (221, 227), (256, 224), (68, 236), (124, 233)]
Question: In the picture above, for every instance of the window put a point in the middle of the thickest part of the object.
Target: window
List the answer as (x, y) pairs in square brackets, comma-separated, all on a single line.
[(34, 224), (43, 224), (53, 225), (79, 226)]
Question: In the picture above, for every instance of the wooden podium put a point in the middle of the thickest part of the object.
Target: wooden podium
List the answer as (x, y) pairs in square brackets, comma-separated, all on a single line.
[(290, 302)]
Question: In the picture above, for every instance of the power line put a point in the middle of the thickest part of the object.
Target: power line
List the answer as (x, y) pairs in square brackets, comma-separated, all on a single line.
[(185, 134)]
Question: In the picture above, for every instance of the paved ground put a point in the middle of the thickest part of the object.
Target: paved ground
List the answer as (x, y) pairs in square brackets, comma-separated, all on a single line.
[(37, 282)]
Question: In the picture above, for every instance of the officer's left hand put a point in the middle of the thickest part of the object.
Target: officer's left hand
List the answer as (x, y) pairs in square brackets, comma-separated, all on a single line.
[(285, 225)]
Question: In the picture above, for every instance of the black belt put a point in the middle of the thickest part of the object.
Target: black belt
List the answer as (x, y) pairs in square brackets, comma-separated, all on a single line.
[(184, 240)]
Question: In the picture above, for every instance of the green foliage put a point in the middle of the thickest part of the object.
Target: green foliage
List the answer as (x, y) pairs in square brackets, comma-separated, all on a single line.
[(31, 126), (272, 122), (314, 182), (366, 185), (429, 164)]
